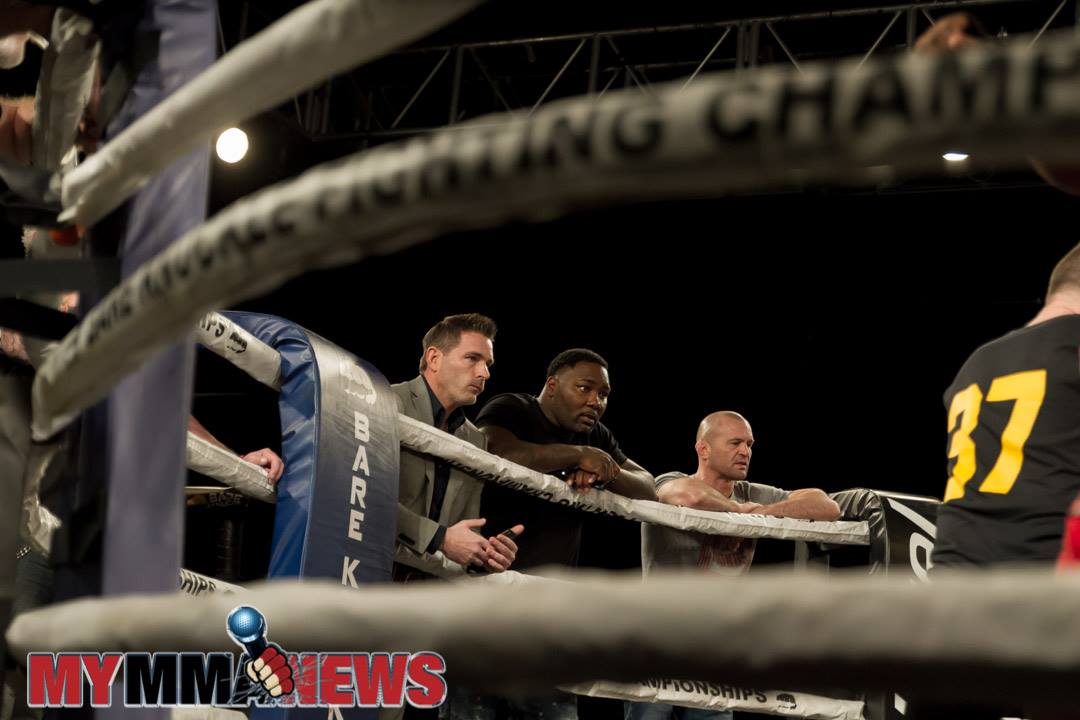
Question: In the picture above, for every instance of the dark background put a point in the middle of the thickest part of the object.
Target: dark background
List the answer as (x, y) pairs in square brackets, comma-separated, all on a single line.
[(833, 319)]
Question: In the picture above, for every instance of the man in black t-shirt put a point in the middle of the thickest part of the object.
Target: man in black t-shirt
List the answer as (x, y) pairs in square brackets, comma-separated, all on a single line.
[(1014, 438), (1013, 455), (557, 432)]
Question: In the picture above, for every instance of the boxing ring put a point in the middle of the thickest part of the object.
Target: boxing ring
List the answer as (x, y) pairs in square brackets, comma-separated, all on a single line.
[(825, 122), (225, 334)]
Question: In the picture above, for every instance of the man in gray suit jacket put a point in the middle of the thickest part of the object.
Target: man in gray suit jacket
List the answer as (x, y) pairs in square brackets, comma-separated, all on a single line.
[(439, 506)]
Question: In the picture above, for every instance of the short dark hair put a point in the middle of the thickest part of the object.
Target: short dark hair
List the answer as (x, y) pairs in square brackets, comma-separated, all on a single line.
[(1066, 273), (573, 356), (446, 334)]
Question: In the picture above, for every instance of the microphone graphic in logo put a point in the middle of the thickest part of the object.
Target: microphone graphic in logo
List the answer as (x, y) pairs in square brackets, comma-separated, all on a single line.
[(264, 664), (247, 626)]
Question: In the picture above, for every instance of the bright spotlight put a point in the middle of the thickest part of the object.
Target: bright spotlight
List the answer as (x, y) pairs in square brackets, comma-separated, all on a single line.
[(232, 145), (955, 156)]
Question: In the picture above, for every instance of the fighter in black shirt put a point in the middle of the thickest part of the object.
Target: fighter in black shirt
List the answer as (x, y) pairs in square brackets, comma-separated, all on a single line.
[(557, 432), (1014, 438)]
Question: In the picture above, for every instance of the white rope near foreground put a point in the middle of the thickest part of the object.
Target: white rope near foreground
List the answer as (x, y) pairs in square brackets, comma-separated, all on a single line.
[(224, 338), (425, 439), (825, 122), (312, 43), (697, 694), (227, 467), (1008, 635)]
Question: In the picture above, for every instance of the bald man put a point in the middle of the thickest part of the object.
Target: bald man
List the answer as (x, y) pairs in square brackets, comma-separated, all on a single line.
[(724, 445)]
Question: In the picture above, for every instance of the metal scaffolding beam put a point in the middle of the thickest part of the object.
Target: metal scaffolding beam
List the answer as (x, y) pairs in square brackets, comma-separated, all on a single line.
[(523, 73)]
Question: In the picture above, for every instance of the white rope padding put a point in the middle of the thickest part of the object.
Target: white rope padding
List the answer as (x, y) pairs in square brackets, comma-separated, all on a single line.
[(716, 696), (994, 635), (224, 465), (685, 693), (827, 122), (224, 338), (427, 440), (195, 584), (314, 42)]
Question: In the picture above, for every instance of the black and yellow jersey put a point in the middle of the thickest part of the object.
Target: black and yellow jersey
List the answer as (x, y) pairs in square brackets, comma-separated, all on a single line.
[(1013, 415)]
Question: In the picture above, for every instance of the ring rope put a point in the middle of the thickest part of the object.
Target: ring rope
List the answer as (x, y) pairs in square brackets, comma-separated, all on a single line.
[(225, 466), (316, 41), (423, 438), (831, 121), (683, 693), (871, 632), (224, 338)]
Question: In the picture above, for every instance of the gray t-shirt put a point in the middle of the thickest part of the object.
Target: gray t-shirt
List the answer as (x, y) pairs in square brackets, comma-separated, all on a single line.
[(664, 547)]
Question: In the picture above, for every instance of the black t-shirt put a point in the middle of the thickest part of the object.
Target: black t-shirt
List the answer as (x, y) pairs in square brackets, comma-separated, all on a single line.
[(552, 532), (1013, 448)]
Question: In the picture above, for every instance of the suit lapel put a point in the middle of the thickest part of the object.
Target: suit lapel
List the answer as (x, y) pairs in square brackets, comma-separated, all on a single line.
[(453, 485), (422, 407), (421, 400)]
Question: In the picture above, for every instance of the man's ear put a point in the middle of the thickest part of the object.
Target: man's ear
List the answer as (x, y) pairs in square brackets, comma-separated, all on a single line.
[(434, 358)]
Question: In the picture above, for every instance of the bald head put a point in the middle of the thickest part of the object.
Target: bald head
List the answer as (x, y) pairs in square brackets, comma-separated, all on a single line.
[(724, 446), (713, 422)]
